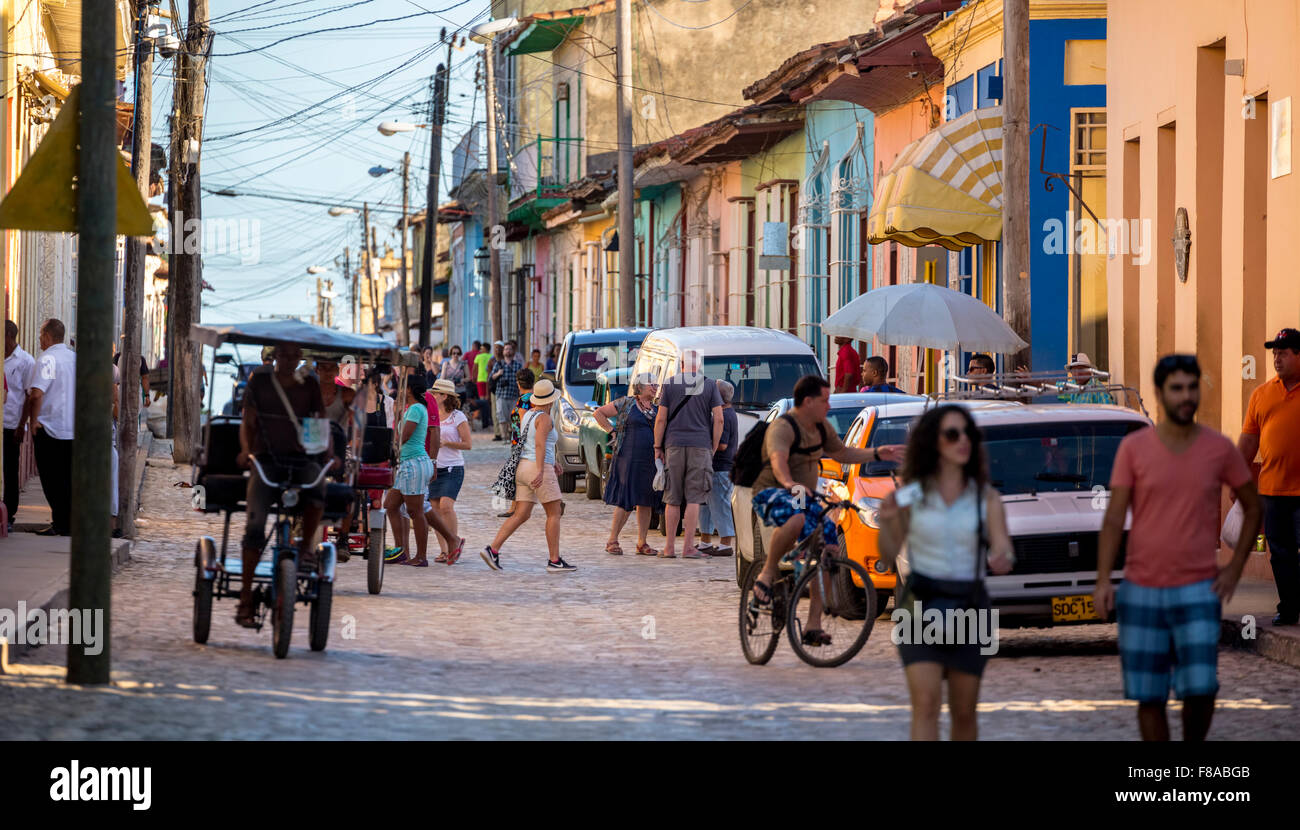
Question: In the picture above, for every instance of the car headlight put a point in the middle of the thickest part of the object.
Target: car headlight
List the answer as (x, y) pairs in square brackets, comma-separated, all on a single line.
[(569, 419), (869, 510)]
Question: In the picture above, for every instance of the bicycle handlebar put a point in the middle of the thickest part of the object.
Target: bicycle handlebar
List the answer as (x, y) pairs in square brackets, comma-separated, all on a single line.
[(257, 466)]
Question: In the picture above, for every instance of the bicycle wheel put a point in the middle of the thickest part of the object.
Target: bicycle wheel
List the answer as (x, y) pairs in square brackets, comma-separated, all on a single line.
[(847, 613), (760, 628), (286, 594)]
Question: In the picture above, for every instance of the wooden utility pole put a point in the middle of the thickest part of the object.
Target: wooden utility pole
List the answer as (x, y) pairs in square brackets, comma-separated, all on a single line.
[(494, 255), (626, 171), (90, 565), (187, 259), (348, 275), (438, 116), (404, 336), (128, 427), (1015, 174), (372, 277), (319, 317)]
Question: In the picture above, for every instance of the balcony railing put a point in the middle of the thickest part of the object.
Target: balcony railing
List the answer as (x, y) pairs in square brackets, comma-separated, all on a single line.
[(545, 166)]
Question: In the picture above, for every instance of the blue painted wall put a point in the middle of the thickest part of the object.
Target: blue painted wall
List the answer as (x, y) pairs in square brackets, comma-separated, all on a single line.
[(1050, 101)]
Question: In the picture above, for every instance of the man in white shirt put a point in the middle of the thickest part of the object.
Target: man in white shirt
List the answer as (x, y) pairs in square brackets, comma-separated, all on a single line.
[(51, 411), (18, 376)]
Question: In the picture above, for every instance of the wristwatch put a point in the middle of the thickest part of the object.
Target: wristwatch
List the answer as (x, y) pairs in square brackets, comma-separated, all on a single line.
[(876, 450)]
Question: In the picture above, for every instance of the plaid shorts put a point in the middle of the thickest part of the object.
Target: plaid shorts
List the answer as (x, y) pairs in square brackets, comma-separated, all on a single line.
[(413, 476), (1164, 631), (776, 506)]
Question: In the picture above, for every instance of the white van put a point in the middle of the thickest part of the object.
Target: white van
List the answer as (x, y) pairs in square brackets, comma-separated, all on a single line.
[(762, 364)]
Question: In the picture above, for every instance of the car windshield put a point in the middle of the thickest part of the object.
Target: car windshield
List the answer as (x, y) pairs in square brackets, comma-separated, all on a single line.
[(588, 360), (842, 419), (761, 381), (886, 431), (1055, 457)]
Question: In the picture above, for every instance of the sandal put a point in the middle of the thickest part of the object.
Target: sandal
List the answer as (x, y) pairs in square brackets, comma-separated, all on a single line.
[(646, 550), (246, 613), (454, 556), (441, 559), (816, 637), (667, 555), (614, 548), (764, 599)]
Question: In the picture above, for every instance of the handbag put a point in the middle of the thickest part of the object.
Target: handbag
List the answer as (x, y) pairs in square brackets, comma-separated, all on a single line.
[(504, 486), (313, 433)]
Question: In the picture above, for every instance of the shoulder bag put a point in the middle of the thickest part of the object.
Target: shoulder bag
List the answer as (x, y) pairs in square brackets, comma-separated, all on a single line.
[(504, 486), (313, 433)]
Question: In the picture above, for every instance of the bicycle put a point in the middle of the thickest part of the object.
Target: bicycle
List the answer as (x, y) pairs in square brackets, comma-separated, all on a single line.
[(811, 579)]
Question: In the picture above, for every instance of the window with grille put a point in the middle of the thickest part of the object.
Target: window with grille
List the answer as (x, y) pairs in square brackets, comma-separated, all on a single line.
[(1089, 142)]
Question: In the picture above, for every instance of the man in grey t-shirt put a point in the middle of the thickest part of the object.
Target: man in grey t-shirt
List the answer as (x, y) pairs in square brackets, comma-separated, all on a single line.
[(687, 431)]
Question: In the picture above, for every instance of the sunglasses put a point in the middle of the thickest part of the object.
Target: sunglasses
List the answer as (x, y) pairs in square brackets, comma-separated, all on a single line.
[(952, 434)]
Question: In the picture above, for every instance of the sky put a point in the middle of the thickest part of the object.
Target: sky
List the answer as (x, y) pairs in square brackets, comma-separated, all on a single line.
[(292, 112)]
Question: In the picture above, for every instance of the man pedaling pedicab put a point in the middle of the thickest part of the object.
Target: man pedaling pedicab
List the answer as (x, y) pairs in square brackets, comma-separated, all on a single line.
[(270, 433)]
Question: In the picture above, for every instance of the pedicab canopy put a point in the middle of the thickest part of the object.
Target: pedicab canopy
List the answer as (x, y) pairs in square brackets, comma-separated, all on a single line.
[(945, 188), (295, 332)]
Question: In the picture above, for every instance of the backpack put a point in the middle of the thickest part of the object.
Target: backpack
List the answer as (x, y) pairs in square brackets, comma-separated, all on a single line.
[(749, 455)]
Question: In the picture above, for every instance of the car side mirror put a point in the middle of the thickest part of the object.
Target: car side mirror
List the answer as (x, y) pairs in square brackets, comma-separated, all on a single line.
[(833, 469)]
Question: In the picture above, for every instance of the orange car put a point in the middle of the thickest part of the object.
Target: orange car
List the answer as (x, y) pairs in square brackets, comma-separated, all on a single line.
[(869, 484)]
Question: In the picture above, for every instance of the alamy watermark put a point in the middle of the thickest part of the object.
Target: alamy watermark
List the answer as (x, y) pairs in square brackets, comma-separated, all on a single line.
[(1112, 237), (213, 237), (55, 627), (946, 627)]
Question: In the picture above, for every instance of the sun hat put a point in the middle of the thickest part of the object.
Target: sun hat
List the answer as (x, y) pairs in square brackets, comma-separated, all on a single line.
[(544, 392), (1079, 359), (444, 386)]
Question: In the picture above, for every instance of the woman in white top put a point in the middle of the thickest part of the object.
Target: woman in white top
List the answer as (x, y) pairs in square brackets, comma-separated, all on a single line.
[(445, 487), (951, 520), (536, 480)]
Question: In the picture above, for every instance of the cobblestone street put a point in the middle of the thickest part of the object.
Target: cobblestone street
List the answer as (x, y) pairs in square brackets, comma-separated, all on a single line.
[(627, 647)]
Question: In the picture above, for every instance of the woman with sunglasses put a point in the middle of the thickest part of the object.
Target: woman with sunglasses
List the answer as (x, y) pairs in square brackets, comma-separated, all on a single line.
[(455, 369), (952, 522)]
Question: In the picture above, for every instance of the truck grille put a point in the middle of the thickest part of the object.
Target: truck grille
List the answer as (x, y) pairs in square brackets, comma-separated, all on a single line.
[(1060, 553)]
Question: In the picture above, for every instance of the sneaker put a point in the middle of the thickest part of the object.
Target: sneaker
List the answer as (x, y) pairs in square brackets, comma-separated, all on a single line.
[(395, 556), (722, 551), (491, 557), (559, 567)]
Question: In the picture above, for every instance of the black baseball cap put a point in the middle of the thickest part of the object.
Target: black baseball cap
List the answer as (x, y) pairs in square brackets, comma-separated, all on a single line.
[(1286, 339)]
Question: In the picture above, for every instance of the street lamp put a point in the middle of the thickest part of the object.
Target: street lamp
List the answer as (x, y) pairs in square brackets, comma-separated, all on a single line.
[(316, 269), (391, 128), (378, 171), (484, 32), (341, 211)]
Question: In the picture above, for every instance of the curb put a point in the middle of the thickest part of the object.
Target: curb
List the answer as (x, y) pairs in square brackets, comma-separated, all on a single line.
[(1266, 642), (119, 555)]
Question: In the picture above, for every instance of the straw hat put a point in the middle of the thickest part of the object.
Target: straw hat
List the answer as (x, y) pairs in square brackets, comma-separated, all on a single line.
[(544, 392), (443, 386)]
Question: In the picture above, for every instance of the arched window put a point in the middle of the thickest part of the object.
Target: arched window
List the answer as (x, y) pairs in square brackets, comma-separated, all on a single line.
[(814, 276)]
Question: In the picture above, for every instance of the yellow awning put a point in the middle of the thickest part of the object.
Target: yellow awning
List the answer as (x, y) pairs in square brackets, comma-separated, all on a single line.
[(945, 188)]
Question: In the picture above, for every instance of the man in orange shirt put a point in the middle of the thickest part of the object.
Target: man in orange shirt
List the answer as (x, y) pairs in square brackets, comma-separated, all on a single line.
[(1270, 429)]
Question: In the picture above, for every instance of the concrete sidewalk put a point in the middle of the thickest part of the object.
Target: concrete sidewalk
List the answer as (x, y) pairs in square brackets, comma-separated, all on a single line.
[(34, 569), (1248, 623)]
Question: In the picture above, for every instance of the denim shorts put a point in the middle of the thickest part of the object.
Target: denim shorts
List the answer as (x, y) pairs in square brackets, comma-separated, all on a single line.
[(447, 484)]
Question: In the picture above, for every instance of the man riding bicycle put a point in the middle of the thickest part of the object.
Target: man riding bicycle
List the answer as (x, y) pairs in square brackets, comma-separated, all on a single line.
[(793, 447), (270, 432)]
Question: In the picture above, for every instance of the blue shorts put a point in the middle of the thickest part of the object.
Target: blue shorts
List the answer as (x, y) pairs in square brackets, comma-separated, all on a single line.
[(447, 484), (776, 506), (1168, 631), (715, 513)]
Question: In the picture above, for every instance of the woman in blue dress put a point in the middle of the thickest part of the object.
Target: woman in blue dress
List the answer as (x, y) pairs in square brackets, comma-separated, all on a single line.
[(632, 468)]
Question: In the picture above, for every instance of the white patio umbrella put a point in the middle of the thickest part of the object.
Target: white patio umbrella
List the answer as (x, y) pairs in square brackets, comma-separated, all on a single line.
[(921, 314)]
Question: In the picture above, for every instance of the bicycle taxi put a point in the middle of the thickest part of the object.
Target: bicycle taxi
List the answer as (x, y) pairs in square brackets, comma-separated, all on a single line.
[(220, 486)]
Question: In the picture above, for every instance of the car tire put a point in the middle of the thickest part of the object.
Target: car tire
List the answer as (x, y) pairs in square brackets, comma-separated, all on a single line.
[(593, 483), (858, 596), (568, 482)]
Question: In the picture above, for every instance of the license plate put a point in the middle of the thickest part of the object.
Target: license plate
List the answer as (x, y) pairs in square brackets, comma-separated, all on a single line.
[(1073, 609)]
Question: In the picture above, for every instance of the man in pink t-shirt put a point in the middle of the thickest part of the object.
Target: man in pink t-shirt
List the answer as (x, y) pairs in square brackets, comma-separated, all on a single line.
[(1168, 605)]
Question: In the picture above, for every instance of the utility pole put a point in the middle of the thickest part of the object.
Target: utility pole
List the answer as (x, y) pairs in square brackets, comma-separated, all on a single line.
[(347, 274), (319, 317), (367, 260), (90, 568), (438, 116), (404, 336), (128, 427), (187, 258), (494, 256), (374, 290), (626, 233), (1015, 174), (329, 304)]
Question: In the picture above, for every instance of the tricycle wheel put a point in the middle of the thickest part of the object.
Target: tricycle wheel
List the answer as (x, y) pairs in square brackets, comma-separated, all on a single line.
[(286, 594), (319, 626), (202, 607), (375, 561)]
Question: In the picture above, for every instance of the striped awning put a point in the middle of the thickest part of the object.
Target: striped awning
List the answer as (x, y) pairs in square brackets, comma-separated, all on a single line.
[(945, 188)]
